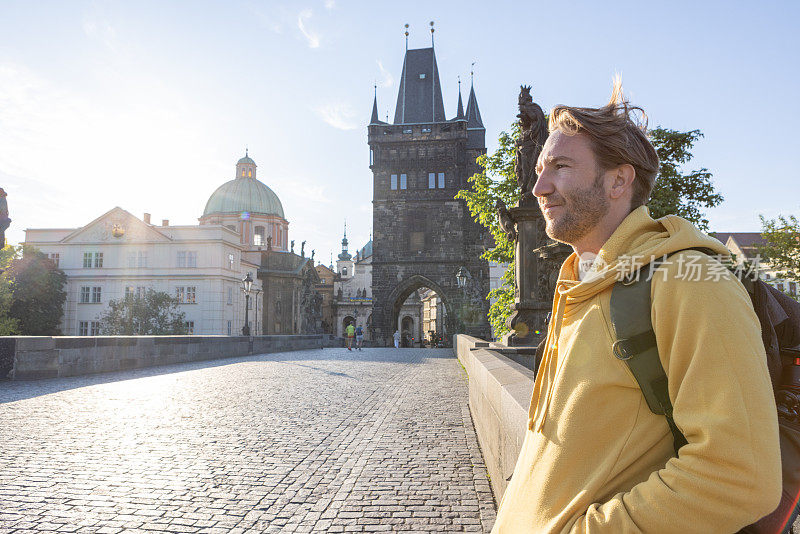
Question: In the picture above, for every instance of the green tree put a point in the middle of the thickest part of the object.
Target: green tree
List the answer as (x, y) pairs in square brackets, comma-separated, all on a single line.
[(34, 291), (675, 192), (9, 326), (782, 248), (497, 181), (153, 313)]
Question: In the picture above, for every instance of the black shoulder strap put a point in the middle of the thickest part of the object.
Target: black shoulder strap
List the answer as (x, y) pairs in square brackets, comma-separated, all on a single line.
[(636, 342)]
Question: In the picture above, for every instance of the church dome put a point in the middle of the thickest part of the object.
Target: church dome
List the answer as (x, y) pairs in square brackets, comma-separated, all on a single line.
[(244, 193)]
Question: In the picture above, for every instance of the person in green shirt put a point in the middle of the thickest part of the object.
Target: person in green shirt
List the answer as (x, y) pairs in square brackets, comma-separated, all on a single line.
[(350, 331)]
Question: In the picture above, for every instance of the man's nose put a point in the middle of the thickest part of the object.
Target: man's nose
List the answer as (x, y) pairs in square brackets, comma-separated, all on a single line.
[(543, 185)]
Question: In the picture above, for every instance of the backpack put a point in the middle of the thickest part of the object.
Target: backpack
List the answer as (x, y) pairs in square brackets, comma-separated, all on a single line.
[(779, 318), (359, 332)]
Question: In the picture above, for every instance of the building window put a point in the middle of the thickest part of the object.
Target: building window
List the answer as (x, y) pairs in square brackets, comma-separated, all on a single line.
[(230, 295), (780, 286), (180, 294), (129, 291), (83, 328), (191, 259), (94, 328), (54, 256), (249, 173), (431, 180), (394, 181), (242, 173), (137, 259), (191, 295), (229, 328), (189, 327), (403, 181), (181, 258), (96, 295), (230, 261), (98, 260), (371, 156), (793, 289), (85, 294), (258, 236), (87, 260), (441, 180), (344, 271)]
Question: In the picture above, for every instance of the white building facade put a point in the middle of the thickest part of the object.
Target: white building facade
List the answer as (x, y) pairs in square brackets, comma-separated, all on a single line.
[(201, 265)]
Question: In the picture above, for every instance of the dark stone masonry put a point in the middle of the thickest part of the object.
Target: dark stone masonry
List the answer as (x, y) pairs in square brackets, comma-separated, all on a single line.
[(422, 235)]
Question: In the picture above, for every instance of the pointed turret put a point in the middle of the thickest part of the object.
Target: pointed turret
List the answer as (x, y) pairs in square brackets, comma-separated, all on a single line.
[(476, 133), (345, 256), (419, 98), (473, 113), (460, 111), (374, 119)]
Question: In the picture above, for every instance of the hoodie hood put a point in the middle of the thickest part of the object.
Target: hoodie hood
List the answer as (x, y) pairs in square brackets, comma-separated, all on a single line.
[(636, 242)]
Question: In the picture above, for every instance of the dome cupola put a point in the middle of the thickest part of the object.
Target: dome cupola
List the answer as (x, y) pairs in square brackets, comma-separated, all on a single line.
[(244, 194)]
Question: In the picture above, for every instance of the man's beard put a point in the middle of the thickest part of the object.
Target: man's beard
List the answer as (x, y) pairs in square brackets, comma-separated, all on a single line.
[(581, 209)]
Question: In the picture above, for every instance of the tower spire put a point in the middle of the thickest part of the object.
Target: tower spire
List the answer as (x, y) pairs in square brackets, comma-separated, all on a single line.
[(432, 30), (374, 118), (406, 32), (460, 111)]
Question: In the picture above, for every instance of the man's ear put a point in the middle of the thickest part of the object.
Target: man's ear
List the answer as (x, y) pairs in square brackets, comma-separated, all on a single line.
[(624, 175)]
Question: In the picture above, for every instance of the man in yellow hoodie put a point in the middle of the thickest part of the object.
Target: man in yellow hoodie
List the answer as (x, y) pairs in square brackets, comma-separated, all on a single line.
[(595, 458)]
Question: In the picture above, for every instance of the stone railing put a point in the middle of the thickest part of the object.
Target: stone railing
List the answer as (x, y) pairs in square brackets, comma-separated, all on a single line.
[(27, 357), (499, 395)]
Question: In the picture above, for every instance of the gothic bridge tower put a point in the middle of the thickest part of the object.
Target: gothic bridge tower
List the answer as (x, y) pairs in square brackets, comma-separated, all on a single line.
[(422, 235)]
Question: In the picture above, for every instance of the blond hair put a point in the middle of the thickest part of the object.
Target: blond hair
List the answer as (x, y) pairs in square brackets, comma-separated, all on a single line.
[(617, 137)]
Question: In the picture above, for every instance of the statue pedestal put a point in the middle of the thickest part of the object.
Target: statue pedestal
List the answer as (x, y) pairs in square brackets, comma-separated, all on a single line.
[(538, 260), (524, 321)]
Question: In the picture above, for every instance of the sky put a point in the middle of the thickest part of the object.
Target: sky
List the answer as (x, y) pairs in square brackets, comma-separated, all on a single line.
[(148, 105)]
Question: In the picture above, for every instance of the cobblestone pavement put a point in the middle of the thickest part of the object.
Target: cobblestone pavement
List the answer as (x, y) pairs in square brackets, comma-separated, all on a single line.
[(310, 441)]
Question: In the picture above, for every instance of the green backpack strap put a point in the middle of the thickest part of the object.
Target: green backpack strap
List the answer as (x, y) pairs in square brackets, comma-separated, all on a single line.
[(636, 344)]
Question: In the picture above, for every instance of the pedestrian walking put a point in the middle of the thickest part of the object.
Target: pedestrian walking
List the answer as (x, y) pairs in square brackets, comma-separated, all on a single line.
[(396, 339), (350, 332), (359, 337)]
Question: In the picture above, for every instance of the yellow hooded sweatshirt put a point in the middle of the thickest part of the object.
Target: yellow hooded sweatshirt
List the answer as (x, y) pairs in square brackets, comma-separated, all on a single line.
[(595, 458)]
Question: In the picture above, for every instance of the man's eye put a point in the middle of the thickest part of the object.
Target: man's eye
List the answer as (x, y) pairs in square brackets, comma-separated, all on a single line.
[(560, 165)]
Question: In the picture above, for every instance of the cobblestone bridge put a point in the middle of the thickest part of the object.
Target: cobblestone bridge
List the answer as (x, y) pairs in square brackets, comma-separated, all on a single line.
[(311, 441)]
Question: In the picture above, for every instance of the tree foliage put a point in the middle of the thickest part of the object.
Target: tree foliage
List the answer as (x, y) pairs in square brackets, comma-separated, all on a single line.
[(782, 248), (497, 181), (675, 192), (678, 192), (32, 293), (151, 313)]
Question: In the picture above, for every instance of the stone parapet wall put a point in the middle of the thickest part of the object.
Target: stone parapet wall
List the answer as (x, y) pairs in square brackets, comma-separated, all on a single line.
[(34, 357), (499, 396)]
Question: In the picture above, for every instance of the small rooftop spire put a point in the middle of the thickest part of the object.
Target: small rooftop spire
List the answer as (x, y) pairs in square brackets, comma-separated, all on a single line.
[(432, 30), (374, 118), (406, 32), (460, 110)]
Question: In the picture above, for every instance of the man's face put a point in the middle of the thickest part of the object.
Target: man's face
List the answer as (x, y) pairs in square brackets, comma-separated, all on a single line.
[(570, 188)]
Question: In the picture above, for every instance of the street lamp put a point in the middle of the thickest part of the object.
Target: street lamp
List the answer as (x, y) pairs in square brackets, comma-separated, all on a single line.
[(257, 292), (247, 285), (461, 277)]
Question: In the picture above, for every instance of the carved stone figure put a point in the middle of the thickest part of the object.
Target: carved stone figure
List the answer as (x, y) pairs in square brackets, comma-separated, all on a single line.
[(532, 136), (505, 221), (291, 249), (269, 242), (303, 249), (312, 255)]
